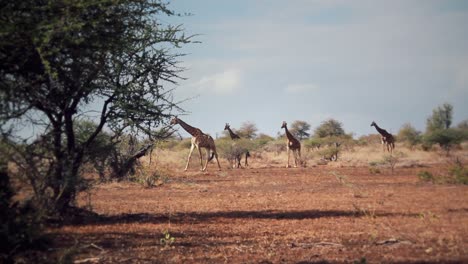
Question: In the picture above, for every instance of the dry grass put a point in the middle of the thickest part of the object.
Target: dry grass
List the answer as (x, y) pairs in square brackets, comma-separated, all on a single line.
[(269, 214), (175, 160)]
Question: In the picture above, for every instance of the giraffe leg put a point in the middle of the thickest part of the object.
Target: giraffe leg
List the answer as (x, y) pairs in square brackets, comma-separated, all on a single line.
[(295, 158), (189, 157), (207, 158), (246, 162), (287, 165), (201, 158), (300, 158), (216, 156)]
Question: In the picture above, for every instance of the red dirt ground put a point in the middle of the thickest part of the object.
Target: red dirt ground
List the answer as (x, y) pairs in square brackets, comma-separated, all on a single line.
[(273, 215)]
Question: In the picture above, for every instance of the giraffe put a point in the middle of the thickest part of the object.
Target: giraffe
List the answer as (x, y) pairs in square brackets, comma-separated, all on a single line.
[(238, 158), (199, 140), (292, 144), (387, 139)]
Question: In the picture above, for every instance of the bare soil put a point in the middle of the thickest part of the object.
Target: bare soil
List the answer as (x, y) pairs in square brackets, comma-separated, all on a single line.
[(273, 215)]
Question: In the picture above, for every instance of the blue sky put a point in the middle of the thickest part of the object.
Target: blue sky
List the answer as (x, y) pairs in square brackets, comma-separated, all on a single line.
[(354, 61)]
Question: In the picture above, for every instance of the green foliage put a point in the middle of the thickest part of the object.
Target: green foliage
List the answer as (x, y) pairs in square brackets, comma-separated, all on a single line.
[(463, 125), (98, 153), (459, 173), (410, 135), (260, 141), (446, 138), (149, 178), (330, 153), (61, 58), (426, 176), (247, 130), (233, 150), (373, 169), (277, 146), (313, 143), (362, 260), (167, 239), (368, 139), (300, 129), (391, 160), (441, 118), (20, 226), (329, 128)]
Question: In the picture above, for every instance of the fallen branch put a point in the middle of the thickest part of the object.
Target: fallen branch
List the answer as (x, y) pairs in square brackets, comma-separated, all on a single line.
[(322, 243), (86, 260)]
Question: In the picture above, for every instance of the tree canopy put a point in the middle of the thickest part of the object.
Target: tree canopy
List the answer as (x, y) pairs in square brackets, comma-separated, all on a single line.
[(300, 129), (441, 118), (248, 130), (329, 128), (64, 61)]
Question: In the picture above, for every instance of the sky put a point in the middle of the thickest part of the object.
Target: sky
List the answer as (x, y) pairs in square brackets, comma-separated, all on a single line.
[(265, 62)]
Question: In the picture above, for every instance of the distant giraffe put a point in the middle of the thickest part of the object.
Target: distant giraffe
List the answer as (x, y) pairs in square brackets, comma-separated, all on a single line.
[(294, 145), (387, 139), (199, 140), (238, 158)]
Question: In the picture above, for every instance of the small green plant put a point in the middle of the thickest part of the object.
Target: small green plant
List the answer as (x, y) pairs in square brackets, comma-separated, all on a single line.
[(368, 212), (428, 216), (373, 170), (167, 239), (459, 173), (426, 176), (392, 159), (357, 192), (363, 260), (149, 178)]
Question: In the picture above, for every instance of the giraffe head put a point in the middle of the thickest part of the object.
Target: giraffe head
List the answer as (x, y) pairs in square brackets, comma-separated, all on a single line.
[(373, 124), (284, 124), (226, 127), (174, 120)]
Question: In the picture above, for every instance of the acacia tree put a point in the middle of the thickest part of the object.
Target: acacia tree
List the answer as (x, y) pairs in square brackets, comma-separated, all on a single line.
[(300, 129), (409, 134), (329, 128), (62, 59), (248, 130), (441, 118)]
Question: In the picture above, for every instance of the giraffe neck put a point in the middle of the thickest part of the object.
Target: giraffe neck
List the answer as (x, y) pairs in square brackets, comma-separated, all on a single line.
[(190, 129), (232, 134), (381, 131), (289, 135)]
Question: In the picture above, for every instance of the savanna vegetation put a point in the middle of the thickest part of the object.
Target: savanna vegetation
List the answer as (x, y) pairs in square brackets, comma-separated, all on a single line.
[(87, 81)]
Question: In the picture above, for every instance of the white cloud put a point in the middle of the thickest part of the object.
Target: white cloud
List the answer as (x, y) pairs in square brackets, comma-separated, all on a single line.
[(301, 88), (225, 82)]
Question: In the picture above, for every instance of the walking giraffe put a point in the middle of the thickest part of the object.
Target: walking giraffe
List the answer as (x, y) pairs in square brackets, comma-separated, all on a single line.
[(199, 140), (238, 157), (294, 145), (387, 139)]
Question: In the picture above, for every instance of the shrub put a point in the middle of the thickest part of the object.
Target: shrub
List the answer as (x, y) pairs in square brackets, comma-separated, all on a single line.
[(330, 153), (20, 227), (276, 146), (149, 178), (233, 150), (459, 174), (313, 143), (328, 128), (446, 138), (426, 176), (410, 135)]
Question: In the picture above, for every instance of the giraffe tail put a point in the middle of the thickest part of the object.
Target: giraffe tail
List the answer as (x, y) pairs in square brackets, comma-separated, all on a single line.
[(212, 156)]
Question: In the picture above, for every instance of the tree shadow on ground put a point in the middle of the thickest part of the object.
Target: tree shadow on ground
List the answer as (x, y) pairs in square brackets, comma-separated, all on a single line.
[(199, 217)]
